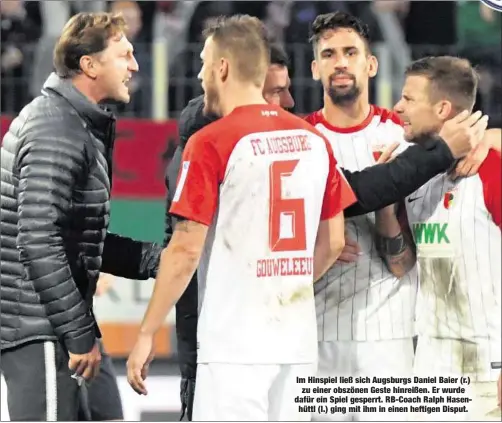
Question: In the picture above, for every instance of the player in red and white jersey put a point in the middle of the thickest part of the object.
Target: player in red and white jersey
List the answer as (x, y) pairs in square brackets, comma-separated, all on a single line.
[(262, 203), (456, 226), (365, 312)]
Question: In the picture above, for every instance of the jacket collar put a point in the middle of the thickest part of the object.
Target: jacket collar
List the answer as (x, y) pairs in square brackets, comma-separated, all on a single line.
[(99, 119)]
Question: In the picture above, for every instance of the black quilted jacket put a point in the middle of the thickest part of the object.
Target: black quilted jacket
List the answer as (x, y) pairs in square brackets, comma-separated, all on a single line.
[(56, 165)]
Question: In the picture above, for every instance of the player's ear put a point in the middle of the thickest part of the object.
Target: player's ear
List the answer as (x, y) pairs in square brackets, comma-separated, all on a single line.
[(88, 66), (443, 109), (223, 69), (315, 71), (372, 66)]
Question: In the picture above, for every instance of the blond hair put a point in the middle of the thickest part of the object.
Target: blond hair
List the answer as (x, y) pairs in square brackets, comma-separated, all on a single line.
[(244, 39)]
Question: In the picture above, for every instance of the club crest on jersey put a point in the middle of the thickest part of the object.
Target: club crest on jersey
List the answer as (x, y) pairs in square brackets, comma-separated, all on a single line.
[(377, 151), (493, 4), (449, 199)]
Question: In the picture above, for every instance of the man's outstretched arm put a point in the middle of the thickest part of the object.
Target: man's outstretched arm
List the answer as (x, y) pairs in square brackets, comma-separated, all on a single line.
[(379, 186), (128, 258), (383, 184)]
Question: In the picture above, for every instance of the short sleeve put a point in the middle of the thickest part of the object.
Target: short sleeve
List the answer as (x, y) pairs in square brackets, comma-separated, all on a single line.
[(490, 173), (338, 195), (196, 196)]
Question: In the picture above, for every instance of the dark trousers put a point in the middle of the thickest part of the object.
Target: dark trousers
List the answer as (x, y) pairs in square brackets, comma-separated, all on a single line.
[(40, 386), (103, 392), (39, 383)]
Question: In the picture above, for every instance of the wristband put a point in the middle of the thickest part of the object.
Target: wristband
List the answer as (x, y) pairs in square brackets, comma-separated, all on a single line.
[(392, 246)]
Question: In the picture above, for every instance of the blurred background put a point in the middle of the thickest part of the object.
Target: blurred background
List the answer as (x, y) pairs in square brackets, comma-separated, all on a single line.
[(167, 40)]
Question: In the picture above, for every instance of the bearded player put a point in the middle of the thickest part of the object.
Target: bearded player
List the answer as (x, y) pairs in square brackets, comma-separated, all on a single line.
[(365, 309), (456, 227)]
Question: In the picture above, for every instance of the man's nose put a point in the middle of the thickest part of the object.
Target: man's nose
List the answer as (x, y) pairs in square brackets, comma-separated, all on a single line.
[(288, 100), (341, 62), (398, 108), (133, 66)]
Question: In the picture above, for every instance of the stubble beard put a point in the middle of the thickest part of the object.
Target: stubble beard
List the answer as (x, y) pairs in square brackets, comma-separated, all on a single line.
[(211, 101), (344, 98)]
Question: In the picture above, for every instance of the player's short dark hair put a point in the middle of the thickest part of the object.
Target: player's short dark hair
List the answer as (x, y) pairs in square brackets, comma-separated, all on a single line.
[(245, 38), (84, 34), (450, 77), (278, 55), (337, 20)]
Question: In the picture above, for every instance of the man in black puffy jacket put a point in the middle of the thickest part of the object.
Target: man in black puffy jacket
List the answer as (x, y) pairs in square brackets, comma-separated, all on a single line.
[(56, 167)]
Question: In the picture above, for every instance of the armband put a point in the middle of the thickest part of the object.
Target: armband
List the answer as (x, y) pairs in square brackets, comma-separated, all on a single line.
[(391, 246)]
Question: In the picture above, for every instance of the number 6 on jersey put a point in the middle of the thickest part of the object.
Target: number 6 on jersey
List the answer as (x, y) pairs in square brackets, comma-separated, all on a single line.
[(285, 215)]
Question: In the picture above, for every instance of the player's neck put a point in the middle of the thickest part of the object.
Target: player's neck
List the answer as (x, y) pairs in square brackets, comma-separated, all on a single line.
[(242, 96), (346, 116), (86, 88)]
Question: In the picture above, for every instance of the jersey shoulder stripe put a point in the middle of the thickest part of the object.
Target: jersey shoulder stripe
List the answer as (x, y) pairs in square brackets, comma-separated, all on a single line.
[(380, 114)]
